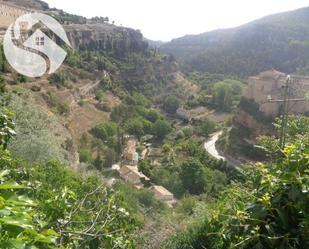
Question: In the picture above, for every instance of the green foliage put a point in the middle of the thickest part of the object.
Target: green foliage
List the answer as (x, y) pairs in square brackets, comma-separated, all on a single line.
[(186, 205), (21, 222), (227, 94), (171, 104), (153, 115), (19, 78), (161, 128), (186, 168), (198, 179), (269, 211), (36, 140), (47, 206), (85, 156), (2, 59), (105, 131), (138, 199), (59, 106), (86, 214), (138, 126), (206, 128), (7, 128), (57, 79), (247, 50)]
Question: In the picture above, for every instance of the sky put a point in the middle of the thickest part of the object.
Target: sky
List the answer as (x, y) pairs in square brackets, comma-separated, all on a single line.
[(167, 19)]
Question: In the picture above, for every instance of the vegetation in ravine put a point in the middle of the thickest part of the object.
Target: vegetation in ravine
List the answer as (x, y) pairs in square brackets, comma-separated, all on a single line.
[(268, 211)]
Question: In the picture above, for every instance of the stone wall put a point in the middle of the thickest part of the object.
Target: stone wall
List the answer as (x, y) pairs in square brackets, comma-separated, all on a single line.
[(260, 87), (257, 113), (9, 13)]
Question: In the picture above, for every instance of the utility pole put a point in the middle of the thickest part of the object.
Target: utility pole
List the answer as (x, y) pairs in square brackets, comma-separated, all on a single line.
[(286, 108)]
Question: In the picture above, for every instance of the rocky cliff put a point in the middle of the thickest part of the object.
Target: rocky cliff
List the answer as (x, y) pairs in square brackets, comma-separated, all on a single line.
[(105, 37)]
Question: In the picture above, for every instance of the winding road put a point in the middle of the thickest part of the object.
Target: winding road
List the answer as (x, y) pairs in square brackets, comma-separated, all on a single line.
[(210, 146)]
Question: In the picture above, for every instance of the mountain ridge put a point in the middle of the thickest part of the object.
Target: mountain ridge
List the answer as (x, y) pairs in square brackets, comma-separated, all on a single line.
[(274, 41)]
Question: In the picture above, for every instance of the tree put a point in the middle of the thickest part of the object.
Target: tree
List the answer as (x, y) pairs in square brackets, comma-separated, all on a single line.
[(36, 140), (105, 130), (109, 157), (171, 104), (153, 115), (270, 210), (192, 176), (144, 167), (206, 128), (138, 126), (161, 128), (226, 93)]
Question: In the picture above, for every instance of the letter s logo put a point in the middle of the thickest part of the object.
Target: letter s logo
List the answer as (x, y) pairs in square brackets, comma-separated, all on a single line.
[(34, 54)]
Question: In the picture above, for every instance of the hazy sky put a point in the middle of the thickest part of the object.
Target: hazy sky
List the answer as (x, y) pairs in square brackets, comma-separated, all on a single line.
[(167, 19)]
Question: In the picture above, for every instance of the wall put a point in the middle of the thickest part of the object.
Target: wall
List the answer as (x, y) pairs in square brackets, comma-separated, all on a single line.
[(260, 88), (9, 13)]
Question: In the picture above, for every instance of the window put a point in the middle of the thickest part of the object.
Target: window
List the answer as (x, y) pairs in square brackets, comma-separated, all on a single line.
[(40, 41)]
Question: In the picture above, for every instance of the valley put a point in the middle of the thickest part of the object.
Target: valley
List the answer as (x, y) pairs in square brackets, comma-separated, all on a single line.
[(139, 144)]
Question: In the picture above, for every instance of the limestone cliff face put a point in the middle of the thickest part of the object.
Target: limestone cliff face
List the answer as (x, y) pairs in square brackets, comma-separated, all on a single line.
[(84, 34), (105, 37)]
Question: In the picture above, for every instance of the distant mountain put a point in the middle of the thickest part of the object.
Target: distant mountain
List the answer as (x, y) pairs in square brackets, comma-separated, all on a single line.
[(278, 41), (154, 44)]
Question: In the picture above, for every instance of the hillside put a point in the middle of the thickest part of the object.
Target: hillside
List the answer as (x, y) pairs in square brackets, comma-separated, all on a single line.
[(278, 41), (114, 149)]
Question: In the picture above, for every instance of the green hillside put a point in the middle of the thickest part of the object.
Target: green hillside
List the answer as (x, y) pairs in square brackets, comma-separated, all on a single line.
[(278, 41)]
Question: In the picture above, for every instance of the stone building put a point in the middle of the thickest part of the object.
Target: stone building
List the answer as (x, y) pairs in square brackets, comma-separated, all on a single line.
[(164, 195), (256, 112), (9, 13), (270, 84), (132, 175), (130, 156)]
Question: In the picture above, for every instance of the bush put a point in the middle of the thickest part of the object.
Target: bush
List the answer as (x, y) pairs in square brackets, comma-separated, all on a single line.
[(105, 131), (161, 128), (58, 79), (85, 156), (227, 94), (36, 141), (171, 104)]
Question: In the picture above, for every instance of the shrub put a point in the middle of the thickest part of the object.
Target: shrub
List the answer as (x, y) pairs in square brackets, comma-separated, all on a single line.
[(161, 128), (105, 131), (85, 156), (171, 104)]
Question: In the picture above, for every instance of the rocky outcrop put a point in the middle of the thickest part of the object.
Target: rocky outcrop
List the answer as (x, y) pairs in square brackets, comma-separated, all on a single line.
[(105, 37)]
